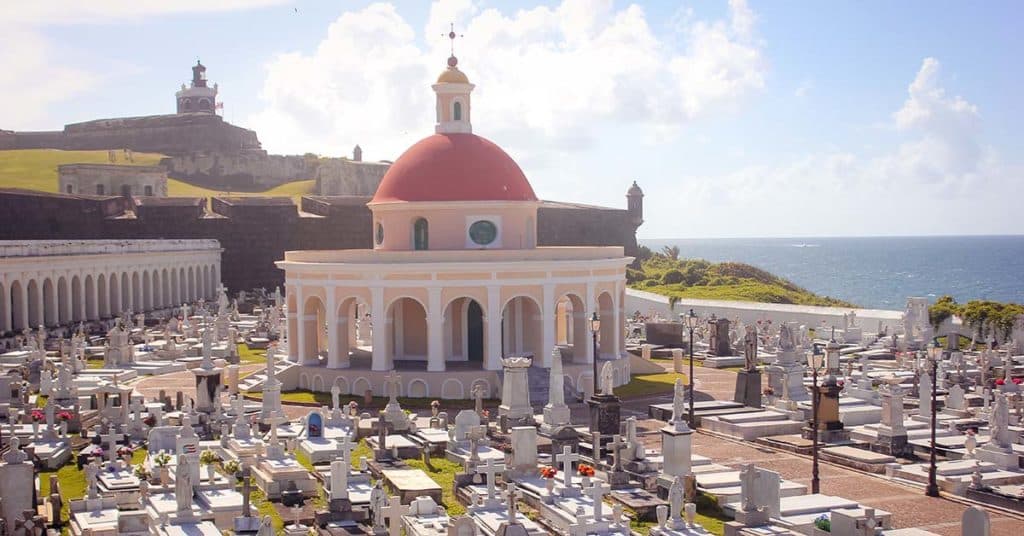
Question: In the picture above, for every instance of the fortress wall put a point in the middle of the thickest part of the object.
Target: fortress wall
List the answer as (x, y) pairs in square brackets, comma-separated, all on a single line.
[(255, 232), (341, 176), (248, 171), (32, 140)]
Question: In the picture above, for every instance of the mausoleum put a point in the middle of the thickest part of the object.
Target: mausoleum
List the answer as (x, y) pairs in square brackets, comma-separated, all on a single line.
[(455, 280)]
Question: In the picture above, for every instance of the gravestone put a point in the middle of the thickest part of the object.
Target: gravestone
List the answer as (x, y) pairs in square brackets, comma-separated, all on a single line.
[(975, 522)]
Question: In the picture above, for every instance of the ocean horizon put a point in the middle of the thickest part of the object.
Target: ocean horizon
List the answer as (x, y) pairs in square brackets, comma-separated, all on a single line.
[(877, 272)]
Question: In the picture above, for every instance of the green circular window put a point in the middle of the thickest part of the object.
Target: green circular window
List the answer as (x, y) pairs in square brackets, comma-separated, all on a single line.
[(483, 232), (380, 234)]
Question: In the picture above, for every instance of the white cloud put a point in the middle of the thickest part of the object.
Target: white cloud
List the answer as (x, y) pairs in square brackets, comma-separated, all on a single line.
[(546, 77), (939, 163), (48, 12)]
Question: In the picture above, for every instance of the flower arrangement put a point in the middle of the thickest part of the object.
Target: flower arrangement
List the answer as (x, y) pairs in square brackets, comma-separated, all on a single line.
[(208, 457), (232, 467), (585, 470), (970, 432), (768, 391), (486, 414), (1018, 381), (141, 473), (64, 416), (548, 472), (435, 403), (162, 460), (38, 415), (124, 451), (1000, 381), (841, 383), (823, 522), (149, 421)]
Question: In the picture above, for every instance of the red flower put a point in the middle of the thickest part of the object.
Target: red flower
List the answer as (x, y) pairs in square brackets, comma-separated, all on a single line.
[(149, 420), (585, 470), (38, 415), (548, 472), (1000, 381), (1018, 380), (124, 451), (64, 416)]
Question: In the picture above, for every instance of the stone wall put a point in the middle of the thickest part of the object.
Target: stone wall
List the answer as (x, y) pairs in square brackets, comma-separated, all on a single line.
[(112, 179), (341, 176), (255, 232), (167, 134), (252, 171)]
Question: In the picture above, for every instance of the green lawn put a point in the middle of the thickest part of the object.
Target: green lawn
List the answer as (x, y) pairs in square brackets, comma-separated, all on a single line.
[(443, 473), (72, 481), (36, 169), (248, 357), (709, 516), (649, 384)]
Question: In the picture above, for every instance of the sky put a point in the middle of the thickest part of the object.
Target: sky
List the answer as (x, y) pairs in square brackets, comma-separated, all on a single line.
[(738, 118)]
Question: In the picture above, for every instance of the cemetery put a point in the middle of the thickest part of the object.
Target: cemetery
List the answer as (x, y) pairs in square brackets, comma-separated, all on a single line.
[(491, 386)]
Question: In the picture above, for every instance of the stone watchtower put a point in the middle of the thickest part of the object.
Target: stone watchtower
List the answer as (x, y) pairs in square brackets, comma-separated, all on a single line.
[(635, 204), (199, 97)]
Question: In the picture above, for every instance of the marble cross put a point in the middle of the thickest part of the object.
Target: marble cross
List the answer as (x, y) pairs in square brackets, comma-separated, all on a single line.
[(491, 470), (617, 446), (394, 381), (393, 512), (567, 458), (597, 493), (111, 440)]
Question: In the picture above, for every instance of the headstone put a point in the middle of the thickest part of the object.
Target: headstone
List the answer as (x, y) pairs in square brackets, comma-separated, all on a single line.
[(515, 409), (975, 522)]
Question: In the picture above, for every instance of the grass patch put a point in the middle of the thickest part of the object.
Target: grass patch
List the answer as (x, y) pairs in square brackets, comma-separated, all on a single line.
[(94, 363), (303, 396), (247, 356), (709, 515), (443, 473), (649, 384), (36, 169), (264, 507)]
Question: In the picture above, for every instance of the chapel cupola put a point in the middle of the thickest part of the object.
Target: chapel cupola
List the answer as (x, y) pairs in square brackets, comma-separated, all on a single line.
[(635, 204), (452, 90), (198, 97)]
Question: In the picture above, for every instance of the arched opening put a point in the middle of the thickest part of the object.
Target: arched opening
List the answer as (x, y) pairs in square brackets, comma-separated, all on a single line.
[(77, 302), (19, 316), (50, 306), (35, 304), (420, 234), (606, 339), (91, 313), (204, 105), (102, 298), (70, 189), (346, 334), (521, 327), (457, 111), (5, 310), (147, 292), (115, 295), (138, 302), (571, 333), (147, 190), (63, 302), (100, 190), (126, 190), (407, 331), (126, 296), (314, 331), (464, 331)]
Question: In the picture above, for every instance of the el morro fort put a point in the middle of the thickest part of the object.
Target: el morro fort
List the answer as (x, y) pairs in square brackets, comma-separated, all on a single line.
[(203, 149)]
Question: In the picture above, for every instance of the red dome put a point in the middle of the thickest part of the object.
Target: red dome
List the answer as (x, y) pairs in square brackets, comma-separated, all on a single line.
[(454, 167)]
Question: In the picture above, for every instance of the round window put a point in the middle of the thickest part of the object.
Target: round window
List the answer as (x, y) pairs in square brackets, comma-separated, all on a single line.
[(380, 234), (483, 232)]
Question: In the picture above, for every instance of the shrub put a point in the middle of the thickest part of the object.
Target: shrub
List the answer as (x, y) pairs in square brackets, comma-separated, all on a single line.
[(651, 283), (672, 277), (632, 276)]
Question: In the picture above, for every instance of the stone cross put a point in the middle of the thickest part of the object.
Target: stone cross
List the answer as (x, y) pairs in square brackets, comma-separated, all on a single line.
[(748, 478), (92, 470), (111, 440), (274, 421), (617, 446), (393, 512), (394, 381), (478, 395), (566, 458), (510, 496), (597, 493), (345, 448), (491, 470)]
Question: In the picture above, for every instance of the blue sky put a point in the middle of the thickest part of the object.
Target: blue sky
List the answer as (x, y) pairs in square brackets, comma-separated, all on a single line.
[(737, 119)]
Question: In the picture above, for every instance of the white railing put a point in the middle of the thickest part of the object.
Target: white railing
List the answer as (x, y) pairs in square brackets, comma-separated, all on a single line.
[(51, 248)]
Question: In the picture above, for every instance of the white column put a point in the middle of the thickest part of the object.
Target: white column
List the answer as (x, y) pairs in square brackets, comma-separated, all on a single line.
[(492, 361), (333, 325), (7, 308), (381, 360), (130, 294), (587, 335), (61, 319), (300, 316), (547, 314), (619, 327), (435, 331), (23, 306)]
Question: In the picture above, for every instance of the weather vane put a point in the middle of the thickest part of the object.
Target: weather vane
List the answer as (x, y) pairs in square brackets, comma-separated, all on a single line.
[(452, 35)]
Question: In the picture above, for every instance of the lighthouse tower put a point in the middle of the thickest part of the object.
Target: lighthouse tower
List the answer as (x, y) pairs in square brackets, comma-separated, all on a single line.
[(199, 97)]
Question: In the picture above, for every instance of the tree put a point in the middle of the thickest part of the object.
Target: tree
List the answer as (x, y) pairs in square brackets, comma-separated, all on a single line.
[(671, 252)]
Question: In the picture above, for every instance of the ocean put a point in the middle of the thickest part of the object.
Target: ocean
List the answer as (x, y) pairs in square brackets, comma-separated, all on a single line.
[(878, 272)]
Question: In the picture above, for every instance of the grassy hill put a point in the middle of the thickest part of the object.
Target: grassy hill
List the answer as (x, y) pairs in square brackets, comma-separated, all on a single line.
[(666, 274), (36, 169)]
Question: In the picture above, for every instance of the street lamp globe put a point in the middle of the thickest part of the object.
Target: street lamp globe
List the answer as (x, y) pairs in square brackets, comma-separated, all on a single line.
[(691, 319), (595, 323)]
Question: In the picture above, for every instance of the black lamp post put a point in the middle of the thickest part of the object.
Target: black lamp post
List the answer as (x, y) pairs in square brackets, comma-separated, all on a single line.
[(595, 328), (814, 360), (934, 354), (690, 321)]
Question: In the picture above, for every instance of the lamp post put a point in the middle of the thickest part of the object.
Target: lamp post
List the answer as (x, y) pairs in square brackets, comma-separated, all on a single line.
[(814, 360), (595, 328), (934, 354), (690, 321)]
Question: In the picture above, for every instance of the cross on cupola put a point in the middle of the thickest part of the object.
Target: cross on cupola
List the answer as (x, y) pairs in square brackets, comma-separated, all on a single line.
[(453, 89)]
